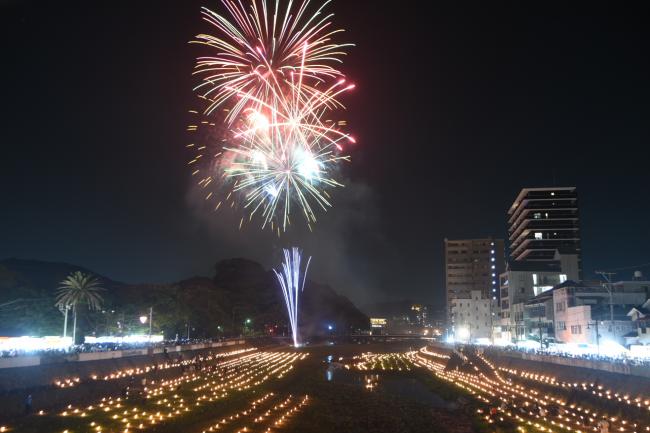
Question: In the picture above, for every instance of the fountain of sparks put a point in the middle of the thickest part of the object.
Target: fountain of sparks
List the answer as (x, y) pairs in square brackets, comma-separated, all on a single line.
[(292, 283)]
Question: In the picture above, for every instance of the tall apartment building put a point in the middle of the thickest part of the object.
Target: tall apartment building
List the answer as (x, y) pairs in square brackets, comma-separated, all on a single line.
[(472, 265), (544, 240), (543, 221)]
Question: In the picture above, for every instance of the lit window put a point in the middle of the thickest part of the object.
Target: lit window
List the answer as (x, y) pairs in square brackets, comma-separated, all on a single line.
[(537, 215), (535, 279), (552, 193), (538, 235), (562, 278)]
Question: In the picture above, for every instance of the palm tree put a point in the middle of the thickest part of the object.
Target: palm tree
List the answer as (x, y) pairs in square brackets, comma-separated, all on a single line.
[(79, 288)]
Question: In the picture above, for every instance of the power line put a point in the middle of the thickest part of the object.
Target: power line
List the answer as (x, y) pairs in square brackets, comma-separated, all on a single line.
[(643, 265)]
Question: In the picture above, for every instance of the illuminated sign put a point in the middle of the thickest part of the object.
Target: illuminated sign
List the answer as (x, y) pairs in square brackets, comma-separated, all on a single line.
[(376, 322)]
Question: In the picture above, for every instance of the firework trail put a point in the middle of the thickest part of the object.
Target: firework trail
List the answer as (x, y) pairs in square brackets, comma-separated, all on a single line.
[(292, 283)]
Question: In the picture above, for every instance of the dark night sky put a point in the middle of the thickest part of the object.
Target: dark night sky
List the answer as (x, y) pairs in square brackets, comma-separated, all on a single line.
[(455, 110)]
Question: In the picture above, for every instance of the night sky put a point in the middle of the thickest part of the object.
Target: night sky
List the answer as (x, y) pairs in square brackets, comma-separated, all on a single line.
[(455, 111)]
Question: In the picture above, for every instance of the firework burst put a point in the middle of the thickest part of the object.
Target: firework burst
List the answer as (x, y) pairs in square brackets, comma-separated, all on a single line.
[(273, 80), (261, 47)]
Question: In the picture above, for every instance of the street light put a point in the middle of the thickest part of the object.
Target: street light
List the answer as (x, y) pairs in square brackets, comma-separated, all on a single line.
[(143, 319), (464, 333)]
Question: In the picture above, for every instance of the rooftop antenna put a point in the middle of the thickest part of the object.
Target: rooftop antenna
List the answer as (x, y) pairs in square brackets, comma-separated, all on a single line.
[(610, 288)]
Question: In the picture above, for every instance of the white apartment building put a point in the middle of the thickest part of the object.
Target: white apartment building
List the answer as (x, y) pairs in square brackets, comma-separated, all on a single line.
[(582, 312), (523, 281), (472, 317)]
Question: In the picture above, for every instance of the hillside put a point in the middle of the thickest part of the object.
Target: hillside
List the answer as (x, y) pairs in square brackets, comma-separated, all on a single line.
[(240, 289)]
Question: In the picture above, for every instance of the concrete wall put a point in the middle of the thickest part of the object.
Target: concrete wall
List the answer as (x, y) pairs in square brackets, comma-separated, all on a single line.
[(634, 380), (29, 361), (46, 374), (20, 361), (630, 370), (17, 383)]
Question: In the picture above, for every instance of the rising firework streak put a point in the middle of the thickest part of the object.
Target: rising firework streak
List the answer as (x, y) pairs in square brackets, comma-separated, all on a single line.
[(292, 284)]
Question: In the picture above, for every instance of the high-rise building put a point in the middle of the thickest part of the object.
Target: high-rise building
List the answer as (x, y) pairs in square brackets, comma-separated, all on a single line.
[(472, 265), (544, 240), (543, 221)]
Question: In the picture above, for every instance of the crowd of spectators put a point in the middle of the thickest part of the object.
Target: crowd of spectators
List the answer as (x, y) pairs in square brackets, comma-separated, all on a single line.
[(103, 347), (557, 351)]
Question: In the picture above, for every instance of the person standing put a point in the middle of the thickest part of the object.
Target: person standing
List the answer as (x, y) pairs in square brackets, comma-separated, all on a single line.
[(603, 425), (28, 404)]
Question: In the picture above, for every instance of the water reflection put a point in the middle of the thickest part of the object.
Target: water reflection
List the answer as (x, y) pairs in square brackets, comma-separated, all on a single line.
[(397, 382), (371, 381)]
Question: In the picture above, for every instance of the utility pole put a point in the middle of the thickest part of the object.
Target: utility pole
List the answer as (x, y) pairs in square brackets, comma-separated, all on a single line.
[(64, 310), (608, 277), (150, 323), (74, 324), (65, 322), (597, 335), (539, 325), (597, 339)]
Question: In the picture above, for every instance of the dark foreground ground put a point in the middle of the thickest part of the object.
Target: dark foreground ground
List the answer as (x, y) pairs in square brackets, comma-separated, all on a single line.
[(313, 395)]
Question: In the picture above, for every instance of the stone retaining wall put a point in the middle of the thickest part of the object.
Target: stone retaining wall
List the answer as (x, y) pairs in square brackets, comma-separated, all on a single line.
[(29, 361), (17, 383)]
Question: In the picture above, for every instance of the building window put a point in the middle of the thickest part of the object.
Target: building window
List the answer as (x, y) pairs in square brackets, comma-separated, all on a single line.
[(576, 329), (561, 326), (559, 306), (538, 236), (535, 279)]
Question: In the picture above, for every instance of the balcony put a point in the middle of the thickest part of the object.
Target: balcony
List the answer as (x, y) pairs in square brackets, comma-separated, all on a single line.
[(546, 204)]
